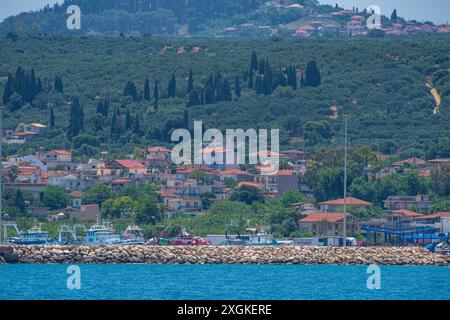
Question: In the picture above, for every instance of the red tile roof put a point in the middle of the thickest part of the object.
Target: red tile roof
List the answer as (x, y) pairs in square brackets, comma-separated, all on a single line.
[(130, 164), (60, 152), (324, 216), (350, 201)]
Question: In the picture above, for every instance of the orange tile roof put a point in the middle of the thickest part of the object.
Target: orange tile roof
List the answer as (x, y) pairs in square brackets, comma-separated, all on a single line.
[(324, 216), (130, 164), (350, 201), (60, 152)]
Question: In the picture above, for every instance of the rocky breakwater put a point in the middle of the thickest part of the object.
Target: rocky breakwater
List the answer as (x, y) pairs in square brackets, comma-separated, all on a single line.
[(226, 255)]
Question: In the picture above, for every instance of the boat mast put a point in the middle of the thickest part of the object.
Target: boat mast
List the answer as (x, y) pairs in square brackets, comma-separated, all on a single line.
[(344, 242)]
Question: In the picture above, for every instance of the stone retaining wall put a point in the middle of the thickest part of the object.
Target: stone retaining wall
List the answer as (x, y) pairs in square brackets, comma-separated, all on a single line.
[(226, 255)]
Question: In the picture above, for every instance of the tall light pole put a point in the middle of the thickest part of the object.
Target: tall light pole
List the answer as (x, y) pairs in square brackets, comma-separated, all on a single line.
[(345, 183)]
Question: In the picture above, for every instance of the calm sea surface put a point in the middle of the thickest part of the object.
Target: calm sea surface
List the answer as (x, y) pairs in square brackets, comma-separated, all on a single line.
[(271, 282)]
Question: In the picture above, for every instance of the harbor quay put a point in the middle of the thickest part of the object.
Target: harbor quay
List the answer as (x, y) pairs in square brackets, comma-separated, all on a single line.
[(152, 254)]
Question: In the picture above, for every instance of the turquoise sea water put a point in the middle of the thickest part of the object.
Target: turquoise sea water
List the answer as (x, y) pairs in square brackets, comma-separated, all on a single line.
[(269, 282)]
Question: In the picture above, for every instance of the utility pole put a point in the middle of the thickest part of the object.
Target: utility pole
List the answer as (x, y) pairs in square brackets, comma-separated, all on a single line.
[(345, 183)]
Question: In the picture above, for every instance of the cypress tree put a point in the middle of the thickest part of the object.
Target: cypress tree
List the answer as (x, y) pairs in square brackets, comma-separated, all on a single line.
[(262, 66), (156, 91), (137, 125), (267, 85), (254, 62), (147, 90), (172, 87), (59, 87), (52, 119), (128, 120), (394, 16), (76, 120), (32, 86), (115, 126), (313, 78), (292, 77)]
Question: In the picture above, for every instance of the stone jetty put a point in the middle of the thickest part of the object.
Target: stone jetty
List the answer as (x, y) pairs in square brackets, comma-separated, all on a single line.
[(52, 254)]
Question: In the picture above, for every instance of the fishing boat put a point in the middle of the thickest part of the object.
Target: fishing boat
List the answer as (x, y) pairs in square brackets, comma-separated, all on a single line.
[(33, 236), (102, 234), (133, 235)]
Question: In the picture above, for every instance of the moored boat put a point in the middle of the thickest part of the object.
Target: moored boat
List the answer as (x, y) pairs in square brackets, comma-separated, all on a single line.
[(185, 239), (133, 235), (102, 234), (33, 236)]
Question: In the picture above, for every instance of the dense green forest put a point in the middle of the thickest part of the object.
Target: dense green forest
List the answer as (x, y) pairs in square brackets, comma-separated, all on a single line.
[(123, 93)]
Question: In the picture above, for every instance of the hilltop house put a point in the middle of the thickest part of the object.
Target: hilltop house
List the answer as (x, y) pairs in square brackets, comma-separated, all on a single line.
[(36, 128), (158, 158), (60, 159), (127, 168)]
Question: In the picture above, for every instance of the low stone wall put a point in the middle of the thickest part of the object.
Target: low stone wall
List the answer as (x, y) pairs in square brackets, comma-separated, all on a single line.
[(226, 255)]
